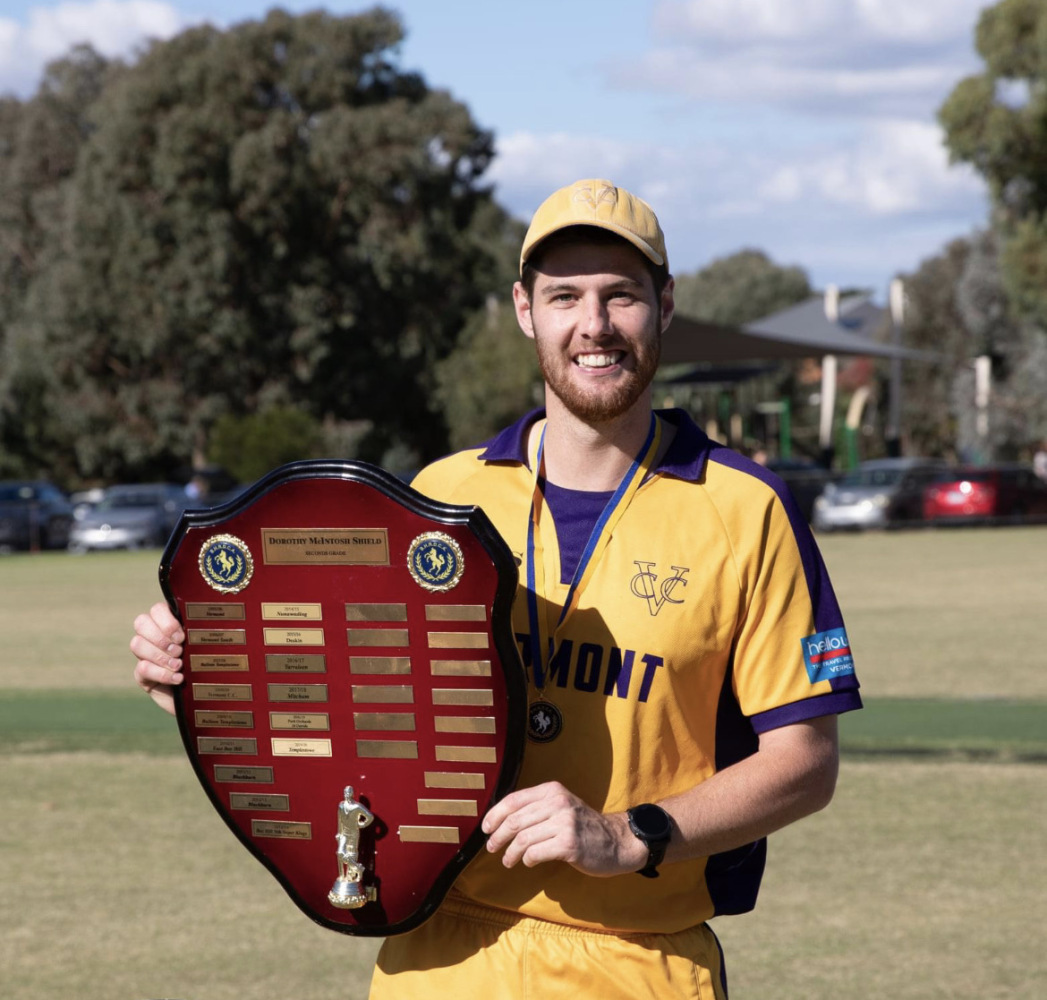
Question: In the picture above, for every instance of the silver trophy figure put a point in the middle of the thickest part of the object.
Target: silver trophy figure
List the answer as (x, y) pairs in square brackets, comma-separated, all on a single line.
[(348, 891)]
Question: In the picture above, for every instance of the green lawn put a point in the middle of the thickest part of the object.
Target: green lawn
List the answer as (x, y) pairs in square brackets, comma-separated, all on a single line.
[(918, 882)]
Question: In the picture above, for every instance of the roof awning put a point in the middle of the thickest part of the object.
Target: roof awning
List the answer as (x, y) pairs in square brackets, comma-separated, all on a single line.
[(801, 331)]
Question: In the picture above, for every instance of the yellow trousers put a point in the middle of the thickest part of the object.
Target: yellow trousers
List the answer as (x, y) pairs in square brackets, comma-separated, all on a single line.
[(466, 950)]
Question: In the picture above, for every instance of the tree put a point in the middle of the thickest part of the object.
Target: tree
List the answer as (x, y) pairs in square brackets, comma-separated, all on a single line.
[(273, 215), (40, 140), (958, 307), (740, 288), (997, 121)]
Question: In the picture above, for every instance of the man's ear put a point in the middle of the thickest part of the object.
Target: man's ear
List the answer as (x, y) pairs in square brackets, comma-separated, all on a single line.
[(667, 305), (522, 305)]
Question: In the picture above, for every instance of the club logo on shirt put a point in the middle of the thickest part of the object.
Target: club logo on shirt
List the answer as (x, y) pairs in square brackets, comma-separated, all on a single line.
[(646, 585), (827, 655)]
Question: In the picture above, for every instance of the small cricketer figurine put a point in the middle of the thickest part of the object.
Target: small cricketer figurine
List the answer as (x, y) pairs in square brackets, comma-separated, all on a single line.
[(348, 892)]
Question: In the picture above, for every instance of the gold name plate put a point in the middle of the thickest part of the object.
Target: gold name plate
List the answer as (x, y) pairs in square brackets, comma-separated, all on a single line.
[(325, 546), (281, 829), (301, 748)]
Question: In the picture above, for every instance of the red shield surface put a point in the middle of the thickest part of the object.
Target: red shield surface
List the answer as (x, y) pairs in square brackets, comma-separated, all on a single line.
[(354, 700)]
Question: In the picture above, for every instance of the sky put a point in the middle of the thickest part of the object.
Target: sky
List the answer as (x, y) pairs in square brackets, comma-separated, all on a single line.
[(803, 128)]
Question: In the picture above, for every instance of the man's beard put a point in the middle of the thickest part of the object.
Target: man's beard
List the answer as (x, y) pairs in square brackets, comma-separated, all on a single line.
[(600, 404)]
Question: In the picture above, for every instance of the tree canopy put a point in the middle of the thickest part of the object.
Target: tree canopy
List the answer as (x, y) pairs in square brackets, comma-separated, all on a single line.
[(740, 288), (997, 121), (272, 215)]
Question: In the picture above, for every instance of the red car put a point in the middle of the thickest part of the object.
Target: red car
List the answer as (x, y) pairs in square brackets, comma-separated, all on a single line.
[(983, 493)]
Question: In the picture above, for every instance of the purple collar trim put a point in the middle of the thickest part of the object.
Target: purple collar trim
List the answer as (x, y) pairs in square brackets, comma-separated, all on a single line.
[(685, 458)]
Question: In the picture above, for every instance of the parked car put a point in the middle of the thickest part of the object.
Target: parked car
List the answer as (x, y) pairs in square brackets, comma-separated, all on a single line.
[(806, 480), (878, 494), (130, 517), (34, 514), (985, 493)]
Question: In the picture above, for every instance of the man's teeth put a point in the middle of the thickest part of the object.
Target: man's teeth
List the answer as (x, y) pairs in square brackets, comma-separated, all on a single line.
[(599, 360)]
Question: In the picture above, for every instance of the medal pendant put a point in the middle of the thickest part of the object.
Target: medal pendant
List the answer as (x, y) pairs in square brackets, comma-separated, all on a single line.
[(544, 721)]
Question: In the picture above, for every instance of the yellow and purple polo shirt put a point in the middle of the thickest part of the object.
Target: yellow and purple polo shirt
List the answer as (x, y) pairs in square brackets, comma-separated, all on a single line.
[(708, 620)]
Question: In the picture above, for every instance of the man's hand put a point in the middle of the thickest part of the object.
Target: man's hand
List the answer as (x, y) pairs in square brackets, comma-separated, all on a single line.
[(549, 823), (157, 644)]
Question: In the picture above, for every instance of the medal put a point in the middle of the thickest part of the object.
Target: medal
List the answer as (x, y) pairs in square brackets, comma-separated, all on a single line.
[(545, 721)]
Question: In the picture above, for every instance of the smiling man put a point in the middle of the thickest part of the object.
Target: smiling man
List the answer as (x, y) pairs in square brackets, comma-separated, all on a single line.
[(686, 656)]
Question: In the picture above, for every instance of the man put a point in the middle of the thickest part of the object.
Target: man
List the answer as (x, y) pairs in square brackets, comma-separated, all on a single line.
[(686, 655)]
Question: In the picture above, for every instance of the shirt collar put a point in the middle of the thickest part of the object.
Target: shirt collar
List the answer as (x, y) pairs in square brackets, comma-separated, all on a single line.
[(685, 457)]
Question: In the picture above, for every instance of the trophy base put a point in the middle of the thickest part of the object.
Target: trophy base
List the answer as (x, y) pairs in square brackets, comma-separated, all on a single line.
[(348, 895)]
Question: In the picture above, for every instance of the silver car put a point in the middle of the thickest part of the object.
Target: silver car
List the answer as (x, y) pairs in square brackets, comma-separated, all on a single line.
[(878, 494), (130, 517)]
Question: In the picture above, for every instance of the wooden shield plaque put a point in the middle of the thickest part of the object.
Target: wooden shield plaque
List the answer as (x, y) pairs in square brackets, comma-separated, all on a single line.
[(354, 700)]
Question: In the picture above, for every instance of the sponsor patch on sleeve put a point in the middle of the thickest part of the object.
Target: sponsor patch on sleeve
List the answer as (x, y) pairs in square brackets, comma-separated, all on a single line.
[(827, 655)]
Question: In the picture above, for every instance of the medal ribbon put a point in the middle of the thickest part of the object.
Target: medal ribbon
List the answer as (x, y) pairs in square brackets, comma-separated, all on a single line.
[(543, 639)]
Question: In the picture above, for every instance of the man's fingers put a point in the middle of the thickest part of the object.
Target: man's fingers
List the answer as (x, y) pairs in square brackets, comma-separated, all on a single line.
[(518, 800), (159, 626)]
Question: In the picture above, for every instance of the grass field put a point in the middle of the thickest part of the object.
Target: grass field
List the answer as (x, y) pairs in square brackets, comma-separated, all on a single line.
[(921, 880)]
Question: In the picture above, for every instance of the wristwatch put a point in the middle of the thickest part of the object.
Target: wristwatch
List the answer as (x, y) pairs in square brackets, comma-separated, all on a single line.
[(652, 825)]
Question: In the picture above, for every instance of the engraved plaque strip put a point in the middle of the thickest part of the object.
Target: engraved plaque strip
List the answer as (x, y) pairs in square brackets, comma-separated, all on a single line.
[(398, 749), (299, 720), (378, 637), (301, 748), (456, 612), (296, 663), (218, 636), (391, 721), (222, 692), (447, 807), (429, 834), (214, 661), (460, 668), (231, 720), (248, 775), (464, 724), (383, 694), (272, 802), (325, 546), (283, 612), (379, 664), (297, 692), (219, 744), (458, 640), (228, 612), (281, 829), (293, 636), (474, 755), (463, 696), (376, 612), (453, 779)]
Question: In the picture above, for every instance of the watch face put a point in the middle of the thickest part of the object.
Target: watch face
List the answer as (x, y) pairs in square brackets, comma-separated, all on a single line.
[(651, 822)]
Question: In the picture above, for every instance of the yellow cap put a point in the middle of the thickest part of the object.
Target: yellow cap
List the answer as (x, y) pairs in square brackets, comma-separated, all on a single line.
[(598, 203)]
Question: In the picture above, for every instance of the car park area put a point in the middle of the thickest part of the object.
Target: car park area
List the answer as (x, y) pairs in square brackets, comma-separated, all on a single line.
[(34, 514)]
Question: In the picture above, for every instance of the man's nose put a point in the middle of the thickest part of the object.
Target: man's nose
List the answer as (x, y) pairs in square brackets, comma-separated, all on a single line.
[(597, 319)]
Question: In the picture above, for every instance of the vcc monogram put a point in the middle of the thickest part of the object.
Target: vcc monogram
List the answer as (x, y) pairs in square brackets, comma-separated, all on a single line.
[(645, 584)]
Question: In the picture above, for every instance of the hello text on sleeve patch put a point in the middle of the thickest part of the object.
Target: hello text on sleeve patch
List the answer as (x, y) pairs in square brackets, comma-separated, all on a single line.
[(827, 655)]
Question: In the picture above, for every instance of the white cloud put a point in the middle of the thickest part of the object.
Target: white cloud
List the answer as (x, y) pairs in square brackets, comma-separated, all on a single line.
[(896, 167), (113, 27), (755, 22), (858, 57), (876, 200)]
